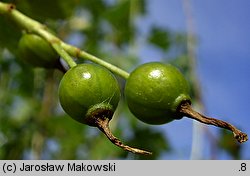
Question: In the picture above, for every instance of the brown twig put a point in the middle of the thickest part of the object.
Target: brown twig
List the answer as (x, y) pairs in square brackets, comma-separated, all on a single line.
[(103, 125), (186, 109)]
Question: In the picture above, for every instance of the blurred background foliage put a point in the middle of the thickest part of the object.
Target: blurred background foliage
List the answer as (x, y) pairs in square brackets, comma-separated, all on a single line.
[(32, 123)]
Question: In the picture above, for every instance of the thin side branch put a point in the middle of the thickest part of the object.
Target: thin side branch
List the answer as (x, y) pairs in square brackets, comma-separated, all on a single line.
[(63, 54), (76, 52), (186, 109)]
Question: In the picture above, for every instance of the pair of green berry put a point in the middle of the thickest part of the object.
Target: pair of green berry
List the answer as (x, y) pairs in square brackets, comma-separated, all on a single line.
[(153, 92), (156, 93), (90, 94)]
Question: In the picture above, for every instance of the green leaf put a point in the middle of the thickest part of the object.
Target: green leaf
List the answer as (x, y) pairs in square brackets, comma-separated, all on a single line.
[(95, 8), (227, 143), (47, 9), (159, 37), (118, 17), (9, 34), (150, 140)]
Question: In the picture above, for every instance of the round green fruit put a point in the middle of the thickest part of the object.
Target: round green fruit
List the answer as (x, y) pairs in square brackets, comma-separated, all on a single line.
[(154, 91), (37, 52), (88, 89), (90, 94), (157, 93)]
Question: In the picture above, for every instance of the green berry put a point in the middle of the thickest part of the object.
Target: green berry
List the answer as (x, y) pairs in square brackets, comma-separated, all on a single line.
[(86, 88), (157, 93), (90, 94), (37, 52), (154, 91)]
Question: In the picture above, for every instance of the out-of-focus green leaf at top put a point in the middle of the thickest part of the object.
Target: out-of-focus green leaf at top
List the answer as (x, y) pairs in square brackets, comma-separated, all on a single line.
[(95, 7), (47, 9), (140, 6), (159, 37), (119, 18)]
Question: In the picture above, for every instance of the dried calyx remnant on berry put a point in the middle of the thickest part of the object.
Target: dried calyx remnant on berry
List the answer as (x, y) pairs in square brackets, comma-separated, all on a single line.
[(157, 93)]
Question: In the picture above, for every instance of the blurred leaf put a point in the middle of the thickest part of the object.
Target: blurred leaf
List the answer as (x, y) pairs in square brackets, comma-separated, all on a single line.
[(96, 8), (150, 140), (100, 147), (159, 37), (119, 18), (140, 5), (229, 145), (68, 133), (45, 9), (9, 34)]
